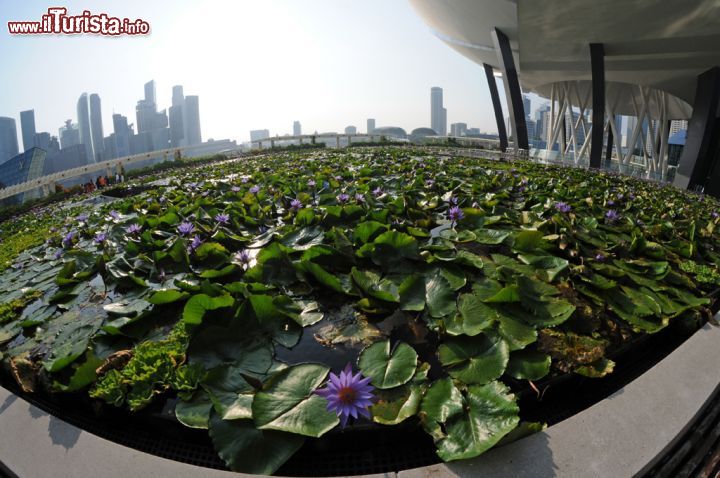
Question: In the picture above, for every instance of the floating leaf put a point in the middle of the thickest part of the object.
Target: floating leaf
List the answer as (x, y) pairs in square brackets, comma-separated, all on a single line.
[(388, 368), (287, 402)]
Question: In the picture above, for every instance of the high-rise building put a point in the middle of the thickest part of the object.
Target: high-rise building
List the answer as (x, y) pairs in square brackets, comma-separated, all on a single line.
[(27, 125), (83, 112), (21, 168), (542, 114), (350, 130), (526, 105), (150, 92), (152, 125), (678, 125), (191, 119), (458, 129), (8, 139), (370, 125), (297, 128), (69, 135), (438, 114), (96, 127), (259, 134), (121, 135), (175, 117)]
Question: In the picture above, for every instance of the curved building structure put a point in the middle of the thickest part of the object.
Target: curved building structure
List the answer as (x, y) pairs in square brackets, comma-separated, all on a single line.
[(651, 59)]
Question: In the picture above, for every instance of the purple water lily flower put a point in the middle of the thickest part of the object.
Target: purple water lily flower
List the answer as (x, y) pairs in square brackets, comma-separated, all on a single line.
[(244, 180), (255, 189), (610, 202), (222, 218), (359, 197), (311, 183), (235, 189), (348, 395), (296, 205), (133, 229), (600, 257), (338, 178), (195, 243), (100, 238), (67, 240), (714, 214), (455, 214), (429, 183), (243, 257), (612, 215), (631, 196), (563, 207), (185, 228), (82, 217), (58, 254), (342, 198), (453, 200), (377, 192), (115, 215)]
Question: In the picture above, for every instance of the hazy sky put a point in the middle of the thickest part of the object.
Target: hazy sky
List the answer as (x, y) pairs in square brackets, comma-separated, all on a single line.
[(255, 64)]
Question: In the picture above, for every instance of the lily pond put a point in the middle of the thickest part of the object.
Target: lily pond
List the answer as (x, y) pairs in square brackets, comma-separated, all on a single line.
[(276, 298)]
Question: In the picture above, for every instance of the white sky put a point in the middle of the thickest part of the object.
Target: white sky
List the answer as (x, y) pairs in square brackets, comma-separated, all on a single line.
[(254, 64)]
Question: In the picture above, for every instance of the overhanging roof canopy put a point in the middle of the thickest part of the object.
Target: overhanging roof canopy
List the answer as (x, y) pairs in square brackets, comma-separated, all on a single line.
[(657, 43)]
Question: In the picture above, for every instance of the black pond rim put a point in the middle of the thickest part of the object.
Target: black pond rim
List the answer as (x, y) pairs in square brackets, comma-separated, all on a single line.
[(360, 449)]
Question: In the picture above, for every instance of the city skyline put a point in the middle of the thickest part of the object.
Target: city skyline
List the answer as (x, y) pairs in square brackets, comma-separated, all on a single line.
[(270, 93)]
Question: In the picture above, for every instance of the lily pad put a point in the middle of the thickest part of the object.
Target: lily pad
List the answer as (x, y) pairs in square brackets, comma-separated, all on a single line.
[(388, 368)]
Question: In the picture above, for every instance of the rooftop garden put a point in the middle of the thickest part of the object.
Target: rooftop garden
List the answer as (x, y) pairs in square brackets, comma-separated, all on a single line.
[(281, 297)]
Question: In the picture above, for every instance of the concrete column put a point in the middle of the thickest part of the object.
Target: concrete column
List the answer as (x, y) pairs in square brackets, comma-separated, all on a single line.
[(272, 143), (597, 64), (697, 159), (512, 88), (497, 106)]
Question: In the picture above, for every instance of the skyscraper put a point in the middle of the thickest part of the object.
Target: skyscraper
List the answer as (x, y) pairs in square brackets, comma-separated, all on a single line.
[(297, 128), (150, 92), (175, 114), (258, 134), (191, 119), (438, 114), (27, 125), (370, 125), (8, 139), (122, 134), (350, 130), (458, 129), (69, 135), (526, 106), (96, 127), (83, 112)]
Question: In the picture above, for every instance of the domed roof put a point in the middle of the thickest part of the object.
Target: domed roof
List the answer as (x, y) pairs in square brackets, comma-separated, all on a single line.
[(391, 131), (423, 132)]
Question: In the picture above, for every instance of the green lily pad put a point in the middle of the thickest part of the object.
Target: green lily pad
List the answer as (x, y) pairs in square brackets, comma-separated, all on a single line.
[(287, 402), (388, 368), (194, 413), (246, 449), (471, 423), (528, 365), (474, 360)]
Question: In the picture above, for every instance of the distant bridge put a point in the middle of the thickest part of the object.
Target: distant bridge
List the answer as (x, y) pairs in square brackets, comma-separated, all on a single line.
[(313, 138), (47, 183)]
